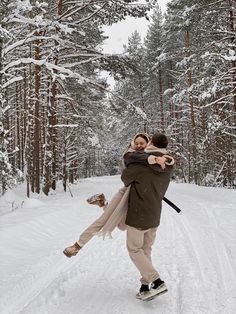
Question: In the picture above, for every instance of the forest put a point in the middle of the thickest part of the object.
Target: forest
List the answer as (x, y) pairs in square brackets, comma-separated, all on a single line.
[(60, 120)]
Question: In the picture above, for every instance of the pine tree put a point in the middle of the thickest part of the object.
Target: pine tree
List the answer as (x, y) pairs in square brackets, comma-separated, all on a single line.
[(53, 87), (5, 166), (154, 84), (189, 72)]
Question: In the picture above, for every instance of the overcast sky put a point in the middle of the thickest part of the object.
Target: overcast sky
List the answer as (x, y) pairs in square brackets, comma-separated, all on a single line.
[(118, 33)]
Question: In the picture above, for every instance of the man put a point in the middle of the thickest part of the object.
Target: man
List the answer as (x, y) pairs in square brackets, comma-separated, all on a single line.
[(148, 187)]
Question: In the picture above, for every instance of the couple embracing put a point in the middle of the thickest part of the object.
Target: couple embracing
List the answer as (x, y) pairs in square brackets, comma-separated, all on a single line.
[(136, 208)]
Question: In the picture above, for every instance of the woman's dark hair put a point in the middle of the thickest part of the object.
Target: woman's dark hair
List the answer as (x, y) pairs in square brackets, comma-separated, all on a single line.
[(142, 135), (159, 140)]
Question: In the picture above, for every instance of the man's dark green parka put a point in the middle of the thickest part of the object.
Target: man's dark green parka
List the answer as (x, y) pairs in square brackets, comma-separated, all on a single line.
[(148, 186)]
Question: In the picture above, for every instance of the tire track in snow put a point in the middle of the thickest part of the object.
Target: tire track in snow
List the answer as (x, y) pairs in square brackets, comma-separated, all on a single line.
[(227, 278), (208, 259), (184, 267), (77, 274), (201, 270), (31, 290), (64, 276), (88, 284), (167, 247), (96, 286)]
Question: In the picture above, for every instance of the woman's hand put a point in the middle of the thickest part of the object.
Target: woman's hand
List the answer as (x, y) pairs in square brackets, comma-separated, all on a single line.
[(161, 161)]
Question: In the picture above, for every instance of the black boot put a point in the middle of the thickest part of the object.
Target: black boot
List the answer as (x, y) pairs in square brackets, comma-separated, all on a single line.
[(158, 287), (144, 289), (157, 283)]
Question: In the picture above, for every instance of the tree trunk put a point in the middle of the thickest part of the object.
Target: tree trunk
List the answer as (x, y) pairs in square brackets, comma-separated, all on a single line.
[(64, 169), (53, 102), (47, 140), (161, 99), (37, 139), (29, 149), (145, 129), (3, 150), (18, 127), (233, 62), (192, 115)]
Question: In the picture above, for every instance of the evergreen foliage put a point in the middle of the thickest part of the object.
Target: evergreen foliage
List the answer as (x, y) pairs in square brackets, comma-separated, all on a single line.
[(57, 119), (190, 87), (52, 95)]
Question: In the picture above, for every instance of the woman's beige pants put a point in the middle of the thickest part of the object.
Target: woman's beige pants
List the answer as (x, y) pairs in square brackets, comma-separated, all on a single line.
[(98, 224)]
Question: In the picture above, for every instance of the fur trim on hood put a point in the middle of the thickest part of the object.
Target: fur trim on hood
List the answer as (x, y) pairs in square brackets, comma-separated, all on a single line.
[(153, 149), (137, 135), (131, 149)]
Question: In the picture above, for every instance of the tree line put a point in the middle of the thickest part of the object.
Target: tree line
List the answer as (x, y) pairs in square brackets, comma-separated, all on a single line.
[(183, 83), (52, 92), (59, 122)]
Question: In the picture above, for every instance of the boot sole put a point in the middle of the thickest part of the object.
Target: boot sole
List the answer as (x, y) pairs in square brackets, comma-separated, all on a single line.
[(67, 254), (139, 297), (159, 291)]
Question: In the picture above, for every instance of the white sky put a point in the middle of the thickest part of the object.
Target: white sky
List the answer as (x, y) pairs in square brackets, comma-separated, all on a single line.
[(118, 33)]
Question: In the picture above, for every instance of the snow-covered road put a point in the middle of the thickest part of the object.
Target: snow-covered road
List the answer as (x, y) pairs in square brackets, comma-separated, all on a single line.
[(194, 253)]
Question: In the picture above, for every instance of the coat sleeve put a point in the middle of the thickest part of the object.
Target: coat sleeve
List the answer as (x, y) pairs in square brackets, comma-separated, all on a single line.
[(157, 168), (130, 175), (136, 157), (126, 177)]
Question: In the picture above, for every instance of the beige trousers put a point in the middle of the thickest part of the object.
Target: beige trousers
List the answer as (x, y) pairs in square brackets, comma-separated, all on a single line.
[(98, 224), (139, 245)]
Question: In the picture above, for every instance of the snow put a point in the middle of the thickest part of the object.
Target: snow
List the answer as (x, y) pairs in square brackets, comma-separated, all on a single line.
[(194, 253), (139, 111), (22, 6), (229, 58), (11, 81), (52, 67), (94, 140)]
